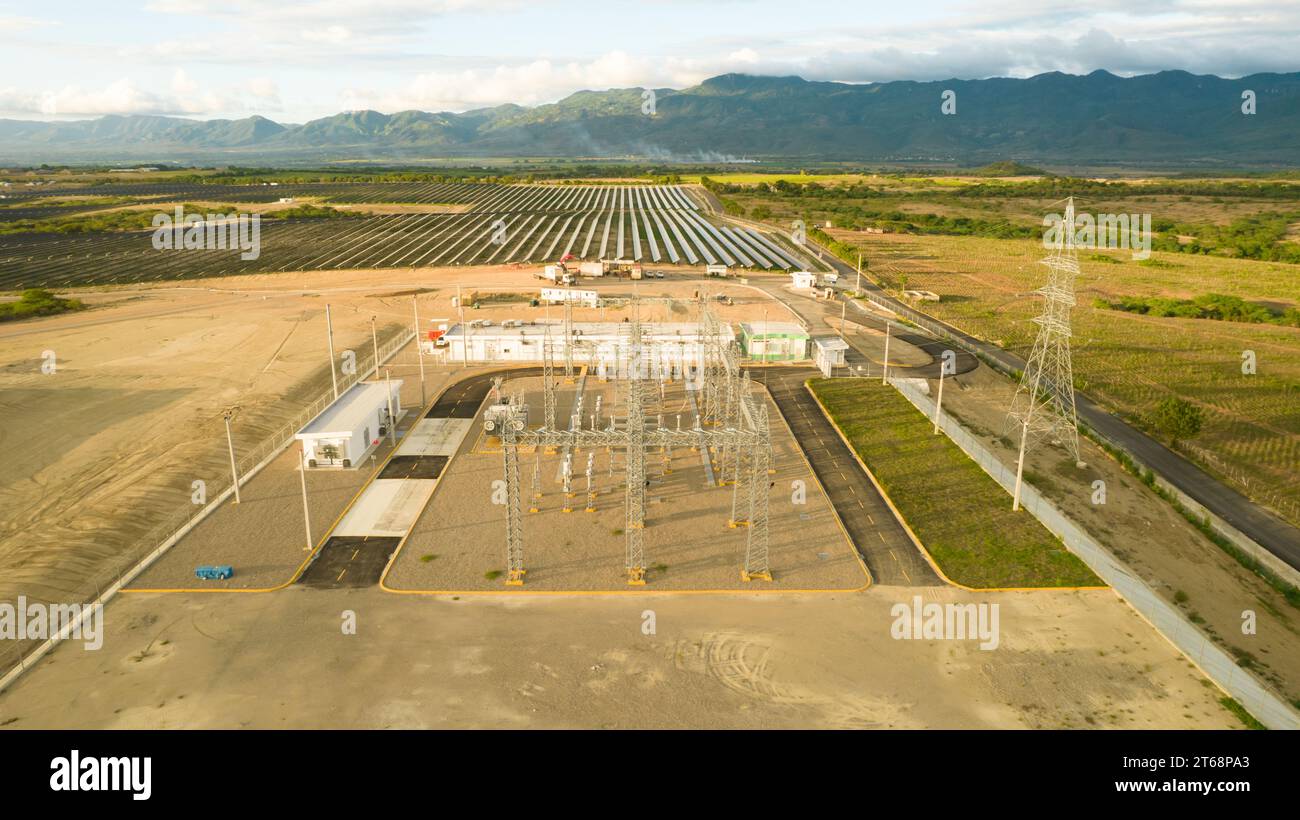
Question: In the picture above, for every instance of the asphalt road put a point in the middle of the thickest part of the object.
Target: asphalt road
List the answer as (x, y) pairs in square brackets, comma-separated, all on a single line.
[(879, 538), (1260, 525)]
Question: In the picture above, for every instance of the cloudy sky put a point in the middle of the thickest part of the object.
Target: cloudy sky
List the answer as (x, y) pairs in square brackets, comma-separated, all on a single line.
[(293, 61)]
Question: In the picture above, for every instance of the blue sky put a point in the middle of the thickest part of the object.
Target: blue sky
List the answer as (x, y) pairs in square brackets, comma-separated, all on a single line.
[(293, 61)]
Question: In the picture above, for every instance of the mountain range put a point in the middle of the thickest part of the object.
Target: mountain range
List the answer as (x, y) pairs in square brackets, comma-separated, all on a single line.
[(1171, 118)]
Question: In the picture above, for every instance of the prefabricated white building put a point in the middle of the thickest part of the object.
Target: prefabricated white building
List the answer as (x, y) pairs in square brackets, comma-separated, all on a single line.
[(667, 343), (344, 432)]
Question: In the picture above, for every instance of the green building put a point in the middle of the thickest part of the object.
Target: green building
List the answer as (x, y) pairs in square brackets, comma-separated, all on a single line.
[(773, 341)]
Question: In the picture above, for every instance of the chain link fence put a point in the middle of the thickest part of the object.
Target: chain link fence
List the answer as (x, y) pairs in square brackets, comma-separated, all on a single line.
[(20, 655), (1260, 701)]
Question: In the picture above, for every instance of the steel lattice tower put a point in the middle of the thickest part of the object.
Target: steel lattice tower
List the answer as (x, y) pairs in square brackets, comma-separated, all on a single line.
[(635, 526), (1044, 401)]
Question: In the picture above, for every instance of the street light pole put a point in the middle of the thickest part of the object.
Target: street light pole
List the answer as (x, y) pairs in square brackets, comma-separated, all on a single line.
[(392, 416), (884, 374), (230, 446), (857, 288), (374, 344), (302, 471), (419, 349), (1020, 465), (464, 333), (329, 329), (938, 405)]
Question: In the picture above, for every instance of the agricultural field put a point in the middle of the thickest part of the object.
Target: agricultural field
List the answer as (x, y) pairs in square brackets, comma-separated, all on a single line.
[(1130, 361)]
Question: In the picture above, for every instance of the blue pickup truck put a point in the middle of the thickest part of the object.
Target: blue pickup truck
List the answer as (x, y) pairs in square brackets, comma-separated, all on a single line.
[(215, 573)]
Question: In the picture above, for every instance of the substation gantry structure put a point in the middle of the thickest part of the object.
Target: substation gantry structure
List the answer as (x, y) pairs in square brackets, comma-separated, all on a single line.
[(730, 426)]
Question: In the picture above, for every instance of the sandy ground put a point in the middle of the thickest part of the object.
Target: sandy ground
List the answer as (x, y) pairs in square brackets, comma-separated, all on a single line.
[(107, 447), (281, 660), (263, 538), (1147, 534), (112, 440), (688, 544)]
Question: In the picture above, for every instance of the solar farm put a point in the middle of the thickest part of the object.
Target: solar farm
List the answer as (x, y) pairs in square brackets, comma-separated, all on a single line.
[(448, 224)]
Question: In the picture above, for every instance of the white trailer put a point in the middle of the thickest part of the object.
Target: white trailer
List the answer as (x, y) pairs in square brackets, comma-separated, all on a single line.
[(345, 432)]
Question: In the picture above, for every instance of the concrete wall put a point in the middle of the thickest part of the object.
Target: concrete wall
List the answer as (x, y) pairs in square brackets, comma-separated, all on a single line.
[(1263, 703)]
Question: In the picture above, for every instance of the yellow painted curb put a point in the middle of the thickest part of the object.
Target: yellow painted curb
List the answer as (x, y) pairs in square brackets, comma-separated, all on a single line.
[(908, 529), (383, 581)]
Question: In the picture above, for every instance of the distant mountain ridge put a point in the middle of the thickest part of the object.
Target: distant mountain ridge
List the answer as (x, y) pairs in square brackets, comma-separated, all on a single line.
[(1172, 117)]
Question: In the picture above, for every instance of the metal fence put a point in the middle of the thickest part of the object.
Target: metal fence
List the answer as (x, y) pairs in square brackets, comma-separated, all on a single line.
[(1261, 702), (161, 536)]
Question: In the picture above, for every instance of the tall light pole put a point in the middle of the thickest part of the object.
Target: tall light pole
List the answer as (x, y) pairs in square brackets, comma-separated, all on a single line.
[(329, 330), (302, 471), (857, 288), (419, 349), (884, 373), (230, 446), (464, 332), (938, 405), (1020, 465), (392, 416), (374, 344)]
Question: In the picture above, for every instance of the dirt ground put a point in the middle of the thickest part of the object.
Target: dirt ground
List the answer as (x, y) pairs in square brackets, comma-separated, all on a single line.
[(111, 442), (131, 417), (460, 538), (281, 660), (108, 446), (1147, 534)]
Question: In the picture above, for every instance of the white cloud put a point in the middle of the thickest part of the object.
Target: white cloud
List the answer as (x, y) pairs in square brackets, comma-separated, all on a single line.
[(331, 34), (123, 96)]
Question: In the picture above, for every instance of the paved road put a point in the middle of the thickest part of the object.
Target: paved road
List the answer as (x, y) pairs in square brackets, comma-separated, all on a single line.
[(350, 561), (815, 313), (1265, 528), (880, 540)]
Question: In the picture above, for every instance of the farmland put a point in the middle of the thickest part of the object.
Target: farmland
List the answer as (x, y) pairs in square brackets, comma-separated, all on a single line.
[(1251, 436)]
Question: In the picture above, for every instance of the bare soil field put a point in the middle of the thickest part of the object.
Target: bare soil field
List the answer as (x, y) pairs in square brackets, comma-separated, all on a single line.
[(280, 660), (1148, 535)]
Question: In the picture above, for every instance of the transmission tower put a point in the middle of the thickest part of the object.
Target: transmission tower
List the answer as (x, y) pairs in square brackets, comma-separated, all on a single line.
[(1044, 401)]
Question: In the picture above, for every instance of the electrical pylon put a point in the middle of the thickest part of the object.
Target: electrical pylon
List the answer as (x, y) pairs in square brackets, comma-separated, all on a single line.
[(1044, 401)]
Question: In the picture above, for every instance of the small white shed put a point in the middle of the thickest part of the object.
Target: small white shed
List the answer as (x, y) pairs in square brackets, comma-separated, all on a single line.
[(345, 432), (803, 279)]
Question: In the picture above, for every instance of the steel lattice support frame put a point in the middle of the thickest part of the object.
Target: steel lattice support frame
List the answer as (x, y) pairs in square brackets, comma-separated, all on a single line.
[(756, 565), (548, 382), (634, 528), (1044, 403), (514, 526), (740, 426)]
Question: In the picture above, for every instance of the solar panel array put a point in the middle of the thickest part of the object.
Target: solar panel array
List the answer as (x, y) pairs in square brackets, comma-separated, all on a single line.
[(495, 224)]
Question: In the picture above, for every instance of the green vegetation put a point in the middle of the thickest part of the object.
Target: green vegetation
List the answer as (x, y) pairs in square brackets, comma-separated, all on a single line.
[(960, 514), (493, 574), (1177, 418), (125, 220), (1211, 306), (308, 211), (428, 557), (1011, 209), (1008, 168), (37, 302), (1131, 361), (1247, 719)]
